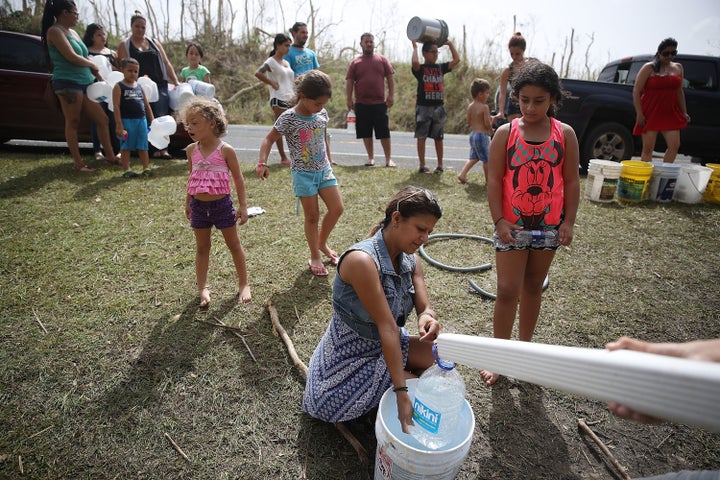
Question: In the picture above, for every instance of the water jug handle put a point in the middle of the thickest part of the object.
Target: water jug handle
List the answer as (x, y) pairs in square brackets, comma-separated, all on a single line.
[(444, 364)]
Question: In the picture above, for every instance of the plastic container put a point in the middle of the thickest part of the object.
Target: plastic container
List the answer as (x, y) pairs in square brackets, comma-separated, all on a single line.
[(99, 92), (712, 190), (158, 139), (351, 121), (103, 65), (164, 125), (602, 180), (691, 183), (150, 88), (401, 456), (179, 95), (428, 30), (634, 180), (437, 404), (202, 89), (114, 77), (662, 182), (536, 238)]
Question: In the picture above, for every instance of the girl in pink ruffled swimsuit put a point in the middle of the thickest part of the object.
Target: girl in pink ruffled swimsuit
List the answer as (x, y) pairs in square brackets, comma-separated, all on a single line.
[(209, 201)]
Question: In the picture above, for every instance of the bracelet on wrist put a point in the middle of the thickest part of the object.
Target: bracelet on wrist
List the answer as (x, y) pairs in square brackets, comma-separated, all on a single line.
[(498, 220), (261, 165), (400, 389), (427, 312)]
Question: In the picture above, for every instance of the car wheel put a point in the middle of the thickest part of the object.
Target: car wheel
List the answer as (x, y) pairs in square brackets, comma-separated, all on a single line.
[(606, 141)]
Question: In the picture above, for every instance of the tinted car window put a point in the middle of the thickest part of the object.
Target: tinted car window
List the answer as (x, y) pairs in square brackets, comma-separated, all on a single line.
[(22, 54), (699, 75)]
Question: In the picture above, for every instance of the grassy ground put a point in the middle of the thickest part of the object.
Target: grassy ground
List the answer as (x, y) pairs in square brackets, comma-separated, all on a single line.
[(104, 352)]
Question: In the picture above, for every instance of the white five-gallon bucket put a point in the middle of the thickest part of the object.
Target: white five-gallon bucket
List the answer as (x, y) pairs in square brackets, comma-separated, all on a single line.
[(691, 183), (602, 180), (662, 182), (427, 30), (400, 456)]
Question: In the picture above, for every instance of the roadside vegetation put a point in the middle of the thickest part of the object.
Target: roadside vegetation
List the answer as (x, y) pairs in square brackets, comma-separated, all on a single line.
[(103, 350), (232, 56)]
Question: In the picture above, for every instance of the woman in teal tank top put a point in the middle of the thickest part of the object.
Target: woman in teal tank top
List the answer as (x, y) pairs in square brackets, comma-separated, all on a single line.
[(72, 73)]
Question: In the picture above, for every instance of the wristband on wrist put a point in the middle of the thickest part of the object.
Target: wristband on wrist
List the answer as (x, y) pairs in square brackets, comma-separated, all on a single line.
[(400, 389), (498, 220), (261, 165)]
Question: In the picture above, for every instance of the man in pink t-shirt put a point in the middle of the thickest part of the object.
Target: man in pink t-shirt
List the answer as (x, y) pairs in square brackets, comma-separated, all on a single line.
[(366, 76)]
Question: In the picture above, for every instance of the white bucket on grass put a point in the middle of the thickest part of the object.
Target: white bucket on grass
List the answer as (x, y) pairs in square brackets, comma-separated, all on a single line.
[(691, 183), (662, 182), (400, 456), (602, 180)]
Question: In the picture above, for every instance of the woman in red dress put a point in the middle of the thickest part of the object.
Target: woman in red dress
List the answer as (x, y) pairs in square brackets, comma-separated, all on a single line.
[(660, 102)]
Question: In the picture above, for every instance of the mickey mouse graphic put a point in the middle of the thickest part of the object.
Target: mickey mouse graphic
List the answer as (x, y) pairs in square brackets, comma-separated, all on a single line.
[(533, 179)]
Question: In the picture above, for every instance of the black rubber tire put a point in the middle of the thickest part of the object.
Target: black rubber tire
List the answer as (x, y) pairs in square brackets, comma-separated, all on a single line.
[(606, 141)]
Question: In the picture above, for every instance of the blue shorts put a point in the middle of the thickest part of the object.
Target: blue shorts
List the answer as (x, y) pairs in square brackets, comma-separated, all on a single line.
[(479, 146), (430, 121), (308, 184), (68, 86), (220, 213), (137, 134)]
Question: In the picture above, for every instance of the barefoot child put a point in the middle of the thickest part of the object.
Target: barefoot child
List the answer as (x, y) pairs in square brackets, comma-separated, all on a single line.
[(533, 184), (478, 117), (209, 202), (132, 113), (304, 126)]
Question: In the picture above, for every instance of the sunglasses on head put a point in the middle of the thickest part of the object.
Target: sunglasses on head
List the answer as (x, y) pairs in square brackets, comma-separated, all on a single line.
[(667, 54)]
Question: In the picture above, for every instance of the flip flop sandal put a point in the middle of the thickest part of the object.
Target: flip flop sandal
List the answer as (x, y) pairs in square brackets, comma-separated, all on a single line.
[(370, 164), (390, 164), (85, 168), (423, 170), (318, 271)]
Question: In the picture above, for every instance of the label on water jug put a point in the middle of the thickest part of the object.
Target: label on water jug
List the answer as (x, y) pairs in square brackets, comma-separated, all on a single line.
[(426, 417)]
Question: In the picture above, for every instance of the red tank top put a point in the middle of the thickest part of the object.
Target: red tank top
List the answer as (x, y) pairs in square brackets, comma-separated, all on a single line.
[(533, 184)]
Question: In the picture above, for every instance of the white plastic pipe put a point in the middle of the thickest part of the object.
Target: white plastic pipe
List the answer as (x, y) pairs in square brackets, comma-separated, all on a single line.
[(676, 389)]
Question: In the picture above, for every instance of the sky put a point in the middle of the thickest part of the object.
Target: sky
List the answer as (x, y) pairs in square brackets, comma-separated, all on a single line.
[(616, 28)]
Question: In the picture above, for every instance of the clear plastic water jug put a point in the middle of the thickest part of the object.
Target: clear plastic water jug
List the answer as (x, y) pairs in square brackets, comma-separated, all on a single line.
[(150, 88), (438, 403)]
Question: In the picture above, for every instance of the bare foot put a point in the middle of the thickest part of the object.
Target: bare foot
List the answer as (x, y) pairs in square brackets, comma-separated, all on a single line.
[(488, 377), (462, 179), (285, 162), (331, 254), (204, 297), (244, 294)]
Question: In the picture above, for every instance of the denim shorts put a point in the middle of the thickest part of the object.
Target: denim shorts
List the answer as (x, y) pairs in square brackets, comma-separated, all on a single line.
[(479, 146), (137, 134), (308, 184), (220, 213), (68, 86)]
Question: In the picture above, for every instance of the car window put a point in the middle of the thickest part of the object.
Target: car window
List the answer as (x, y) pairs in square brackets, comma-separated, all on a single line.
[(23, 54), (699, 75)]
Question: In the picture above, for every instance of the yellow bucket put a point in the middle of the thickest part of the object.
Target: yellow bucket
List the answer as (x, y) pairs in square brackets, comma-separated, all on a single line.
[(634, 180), (712, 191)]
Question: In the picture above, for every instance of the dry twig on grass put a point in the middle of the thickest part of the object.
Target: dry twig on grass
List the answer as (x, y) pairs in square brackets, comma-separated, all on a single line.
[(176, 447), (341, 427), (235, 331), (620, 469), (37, 319)]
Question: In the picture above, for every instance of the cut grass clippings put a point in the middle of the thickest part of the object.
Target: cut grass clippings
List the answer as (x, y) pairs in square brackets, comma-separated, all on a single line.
[(105, 355)]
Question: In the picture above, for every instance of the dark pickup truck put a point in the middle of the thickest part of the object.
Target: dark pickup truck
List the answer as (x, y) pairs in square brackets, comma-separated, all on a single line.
[(602, 112)]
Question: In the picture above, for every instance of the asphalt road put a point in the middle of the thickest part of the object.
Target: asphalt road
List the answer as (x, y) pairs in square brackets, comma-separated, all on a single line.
[(348, 150)]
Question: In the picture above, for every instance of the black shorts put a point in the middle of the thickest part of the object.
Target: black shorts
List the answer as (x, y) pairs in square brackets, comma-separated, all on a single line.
[(369, 117)]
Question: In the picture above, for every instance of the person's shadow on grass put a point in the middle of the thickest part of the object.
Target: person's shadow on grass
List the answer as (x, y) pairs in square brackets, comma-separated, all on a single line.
[(167, 355), (519, 429)]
